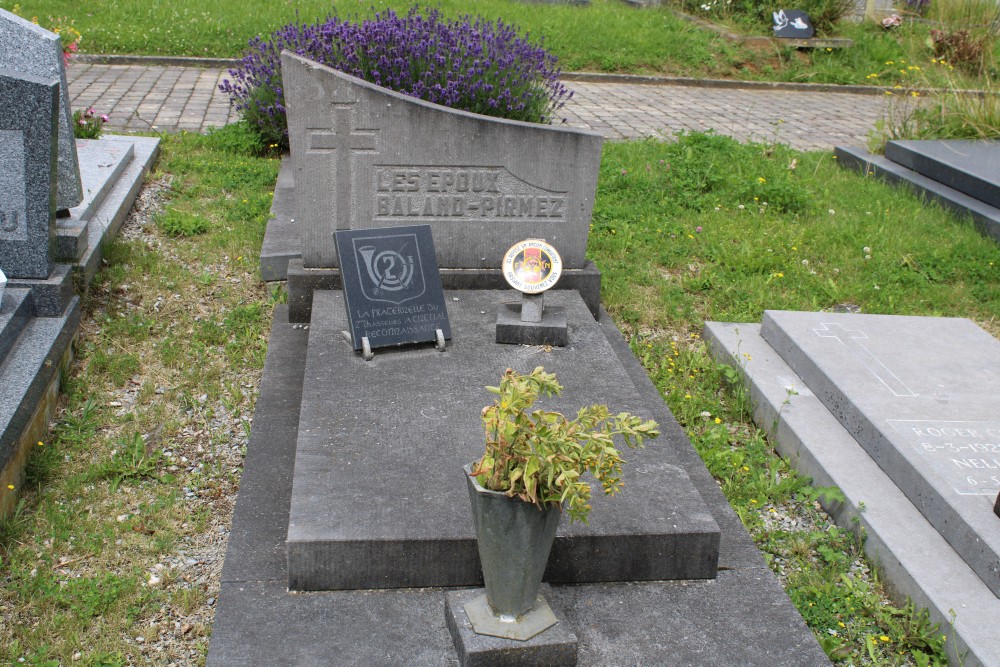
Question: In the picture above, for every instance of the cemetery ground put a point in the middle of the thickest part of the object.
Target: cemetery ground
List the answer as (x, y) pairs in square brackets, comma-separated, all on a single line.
[(115, 552), (605, 36)]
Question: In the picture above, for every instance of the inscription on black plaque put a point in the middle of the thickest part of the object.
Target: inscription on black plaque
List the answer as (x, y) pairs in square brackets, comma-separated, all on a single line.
[(392, 287)]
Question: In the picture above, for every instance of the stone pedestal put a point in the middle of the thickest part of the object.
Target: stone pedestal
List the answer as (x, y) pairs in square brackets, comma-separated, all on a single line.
[(555, 647), (550, 329)]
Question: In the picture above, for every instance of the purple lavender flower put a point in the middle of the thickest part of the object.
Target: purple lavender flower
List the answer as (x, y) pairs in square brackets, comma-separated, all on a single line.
[(469, 63)]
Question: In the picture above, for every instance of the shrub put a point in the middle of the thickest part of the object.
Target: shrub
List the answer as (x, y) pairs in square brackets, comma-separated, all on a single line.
[(470, 64), (88, 124)]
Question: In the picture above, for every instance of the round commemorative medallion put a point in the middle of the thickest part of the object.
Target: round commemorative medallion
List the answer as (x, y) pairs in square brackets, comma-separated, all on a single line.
[(532, 266)]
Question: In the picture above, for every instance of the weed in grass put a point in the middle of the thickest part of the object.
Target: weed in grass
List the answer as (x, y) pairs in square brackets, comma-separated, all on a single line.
[(132, 460), (181, 223)]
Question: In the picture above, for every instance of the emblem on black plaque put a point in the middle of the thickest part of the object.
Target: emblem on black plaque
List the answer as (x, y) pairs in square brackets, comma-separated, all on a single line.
[(389, 267)]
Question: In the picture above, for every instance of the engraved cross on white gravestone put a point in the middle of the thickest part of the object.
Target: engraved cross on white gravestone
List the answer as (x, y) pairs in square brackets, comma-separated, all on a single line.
[(343, 142), (851, 339)]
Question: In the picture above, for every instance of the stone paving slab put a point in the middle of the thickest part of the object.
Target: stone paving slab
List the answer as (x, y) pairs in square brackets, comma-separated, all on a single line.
[(173, 98)]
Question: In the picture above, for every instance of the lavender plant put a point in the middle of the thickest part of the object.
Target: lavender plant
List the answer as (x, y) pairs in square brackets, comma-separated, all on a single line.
[(469, 63)]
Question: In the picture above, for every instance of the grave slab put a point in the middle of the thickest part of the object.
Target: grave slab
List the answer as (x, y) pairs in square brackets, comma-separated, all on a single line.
[(365, 156), (283, 235), (102, 163), (986, 218), (28, 106), (420, 531), (32, 50), (555, 647), (15, 311), (915, 562), (920, 395), (702, 622), (26, 376), (971, 167)]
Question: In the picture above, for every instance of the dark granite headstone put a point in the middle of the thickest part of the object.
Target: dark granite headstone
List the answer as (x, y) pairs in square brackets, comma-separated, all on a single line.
[(971, 167), (28, 141), (792, 24), (29, 49), (392, 286)]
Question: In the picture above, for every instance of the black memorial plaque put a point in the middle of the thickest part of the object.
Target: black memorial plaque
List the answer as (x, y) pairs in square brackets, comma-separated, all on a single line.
[(392, 287), (792, 23)]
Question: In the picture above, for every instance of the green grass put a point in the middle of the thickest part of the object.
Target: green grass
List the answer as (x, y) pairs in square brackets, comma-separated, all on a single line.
[(607, 36), (709, 229), (152, 427)]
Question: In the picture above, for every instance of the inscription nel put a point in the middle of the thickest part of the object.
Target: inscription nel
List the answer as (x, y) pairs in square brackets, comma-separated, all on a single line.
[(967, 454)]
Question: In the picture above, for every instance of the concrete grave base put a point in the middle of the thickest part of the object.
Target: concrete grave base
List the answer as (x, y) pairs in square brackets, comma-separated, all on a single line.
[(734, 619), (303, 282), (985, 217), (554, 647), (29, 391), (421, 533), (113, 169), (966, 166), (551, 330), (915, 561)]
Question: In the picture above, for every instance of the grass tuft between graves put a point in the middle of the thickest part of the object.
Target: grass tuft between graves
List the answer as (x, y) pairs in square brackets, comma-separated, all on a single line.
[(113, 555), (705, 228)]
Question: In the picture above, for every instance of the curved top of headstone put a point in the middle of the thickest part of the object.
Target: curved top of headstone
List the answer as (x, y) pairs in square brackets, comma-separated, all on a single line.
[(33, 50), (365, 156)]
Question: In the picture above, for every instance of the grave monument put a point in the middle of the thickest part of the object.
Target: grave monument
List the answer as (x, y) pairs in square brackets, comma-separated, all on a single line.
[(43, 258), (354, 489), (32, 50), (900, 414), (363, 156)]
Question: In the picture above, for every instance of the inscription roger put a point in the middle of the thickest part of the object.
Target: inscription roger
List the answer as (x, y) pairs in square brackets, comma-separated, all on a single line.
[(461, 192), (966, 453), (13, 224)]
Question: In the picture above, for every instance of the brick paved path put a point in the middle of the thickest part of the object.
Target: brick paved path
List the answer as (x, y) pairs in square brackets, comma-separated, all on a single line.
[(172, 98)]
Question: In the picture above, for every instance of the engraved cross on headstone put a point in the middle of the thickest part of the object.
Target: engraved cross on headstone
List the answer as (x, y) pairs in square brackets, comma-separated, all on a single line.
[(851, 339), (343, 142)]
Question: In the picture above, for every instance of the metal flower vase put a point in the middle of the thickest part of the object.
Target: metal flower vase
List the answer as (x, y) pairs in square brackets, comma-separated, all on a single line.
[(514, 539)]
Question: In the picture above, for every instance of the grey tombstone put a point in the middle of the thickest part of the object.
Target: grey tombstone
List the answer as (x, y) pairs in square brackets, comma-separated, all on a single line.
[(32, 50), (971, 167), (920, 394), (28, 134), (364, 156)]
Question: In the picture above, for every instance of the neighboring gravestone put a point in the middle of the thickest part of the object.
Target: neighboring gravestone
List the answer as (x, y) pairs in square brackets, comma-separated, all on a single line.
[(971, 167), (364, 156), (392, 289), (29, 49), (792, 24), (28, 132), (920, 394)]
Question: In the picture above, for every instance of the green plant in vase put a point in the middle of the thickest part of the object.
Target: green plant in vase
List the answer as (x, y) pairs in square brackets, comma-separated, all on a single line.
[(533, 469)]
